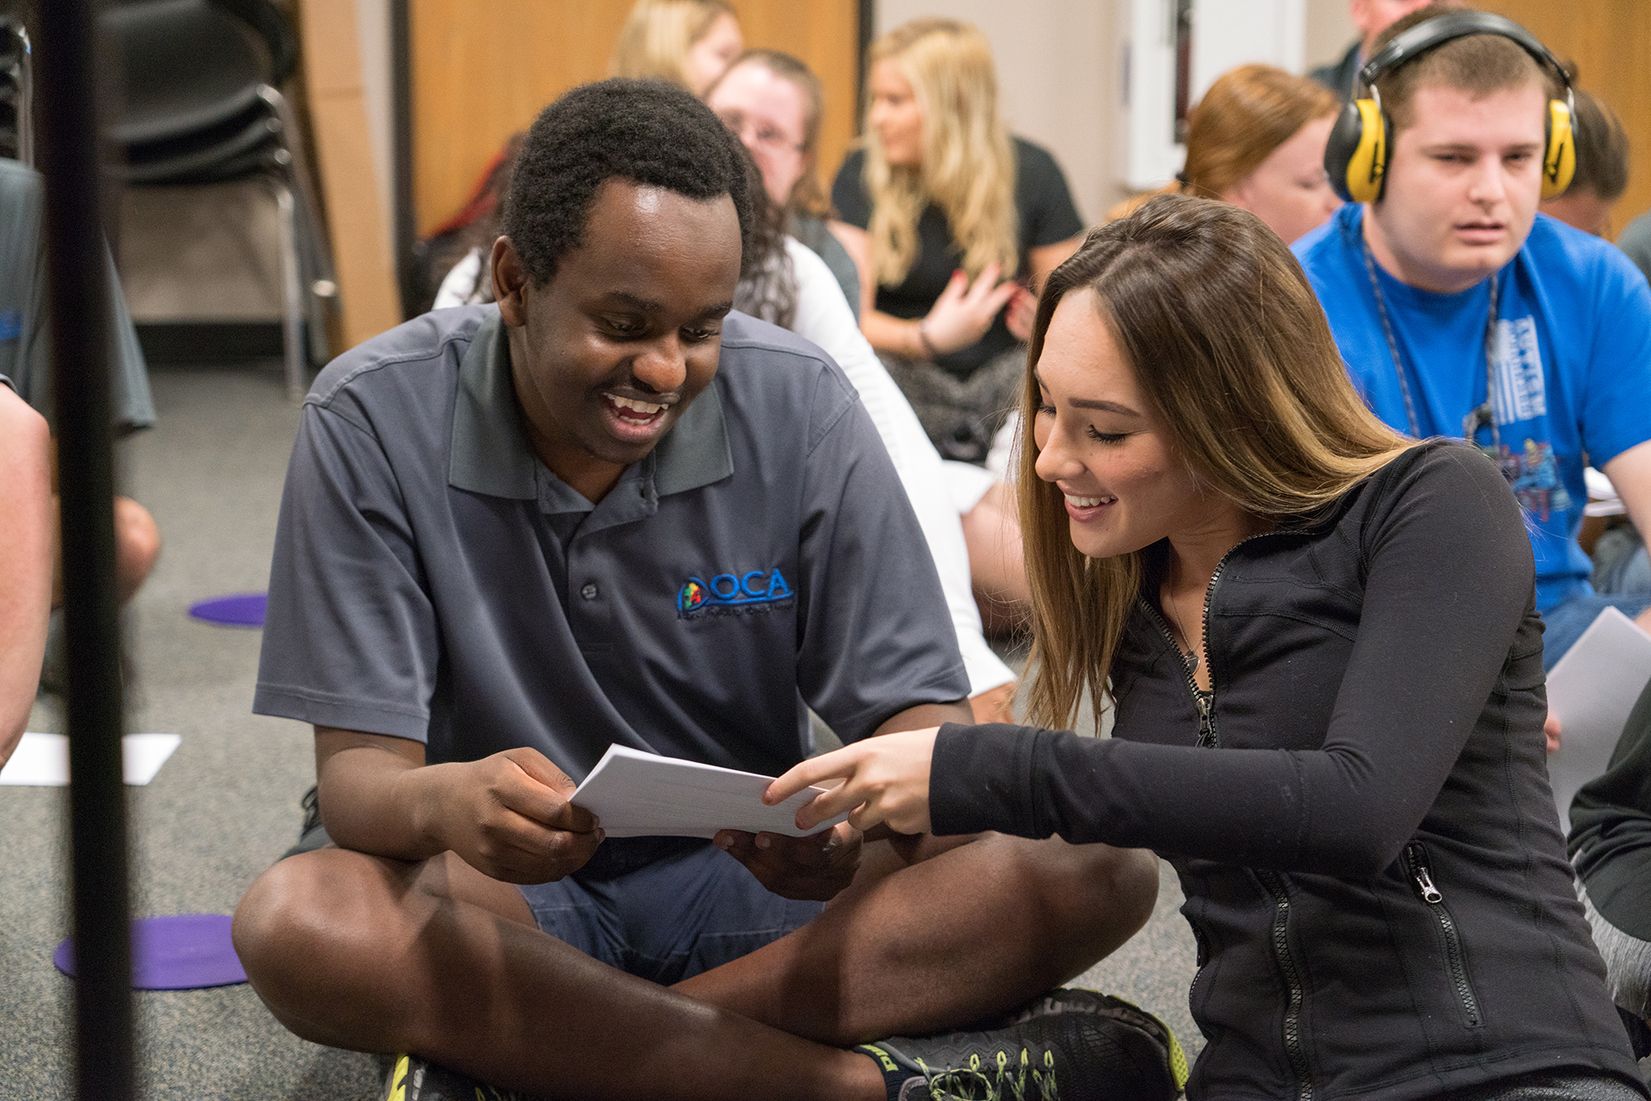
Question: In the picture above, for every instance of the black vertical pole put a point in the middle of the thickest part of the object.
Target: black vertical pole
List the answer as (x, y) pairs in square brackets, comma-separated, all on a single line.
[(68, 158), (401, 85)]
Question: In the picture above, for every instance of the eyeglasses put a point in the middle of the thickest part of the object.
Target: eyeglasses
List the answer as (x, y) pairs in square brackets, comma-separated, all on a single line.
[(762, 134)]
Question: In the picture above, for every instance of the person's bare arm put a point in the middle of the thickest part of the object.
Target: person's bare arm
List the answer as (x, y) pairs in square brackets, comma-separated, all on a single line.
[(506, 815), (961, 316), (926, 715), (26, 582), (1630, 474)]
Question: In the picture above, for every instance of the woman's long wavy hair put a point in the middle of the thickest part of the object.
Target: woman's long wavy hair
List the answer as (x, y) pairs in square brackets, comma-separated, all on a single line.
[(968, 163), (1235, 359)]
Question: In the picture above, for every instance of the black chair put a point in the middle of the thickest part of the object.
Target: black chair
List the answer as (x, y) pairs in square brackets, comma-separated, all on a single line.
[(16, 92), (202, 104)]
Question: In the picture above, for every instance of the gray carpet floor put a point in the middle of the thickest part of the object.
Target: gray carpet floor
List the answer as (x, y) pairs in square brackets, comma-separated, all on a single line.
[(226, 803)]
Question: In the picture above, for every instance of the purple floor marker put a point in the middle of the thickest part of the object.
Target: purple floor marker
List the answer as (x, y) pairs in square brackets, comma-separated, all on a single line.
[(175, 952), (239, 610)]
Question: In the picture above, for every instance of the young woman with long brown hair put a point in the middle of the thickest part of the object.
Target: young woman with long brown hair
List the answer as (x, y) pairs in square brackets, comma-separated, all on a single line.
[(1319, 643)]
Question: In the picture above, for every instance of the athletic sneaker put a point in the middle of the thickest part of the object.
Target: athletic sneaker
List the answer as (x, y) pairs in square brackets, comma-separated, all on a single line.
[(1071, 1046), (412, 1078), (1077, 1000)]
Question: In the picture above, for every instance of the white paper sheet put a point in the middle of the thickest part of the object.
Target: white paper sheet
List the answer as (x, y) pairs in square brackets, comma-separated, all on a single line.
[(637, 794), (1592, 690), (42, 760)]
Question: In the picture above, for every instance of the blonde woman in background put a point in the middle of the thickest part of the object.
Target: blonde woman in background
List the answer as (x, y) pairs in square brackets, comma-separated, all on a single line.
[(687, 42), (955, 224), (1256, 140)]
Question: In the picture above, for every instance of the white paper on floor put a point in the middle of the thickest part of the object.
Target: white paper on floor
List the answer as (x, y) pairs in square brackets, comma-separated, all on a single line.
[(42, 760)]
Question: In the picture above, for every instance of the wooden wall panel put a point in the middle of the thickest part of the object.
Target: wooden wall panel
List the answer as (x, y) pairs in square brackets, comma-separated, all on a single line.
[(357, 224), (1610, 42), (481, 72)]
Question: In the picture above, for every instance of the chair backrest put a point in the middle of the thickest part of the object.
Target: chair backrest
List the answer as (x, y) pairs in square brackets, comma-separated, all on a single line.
[(275, 29), (190, 65), (16, 92)]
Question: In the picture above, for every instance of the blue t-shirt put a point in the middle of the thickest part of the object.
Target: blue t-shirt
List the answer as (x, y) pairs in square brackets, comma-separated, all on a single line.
[(1571, 356)]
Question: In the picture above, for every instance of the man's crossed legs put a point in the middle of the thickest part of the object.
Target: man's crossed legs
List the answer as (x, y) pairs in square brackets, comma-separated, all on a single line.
[(379, 955)]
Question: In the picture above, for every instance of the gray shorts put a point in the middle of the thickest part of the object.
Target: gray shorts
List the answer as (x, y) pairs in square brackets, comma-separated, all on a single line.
[(664, 909)]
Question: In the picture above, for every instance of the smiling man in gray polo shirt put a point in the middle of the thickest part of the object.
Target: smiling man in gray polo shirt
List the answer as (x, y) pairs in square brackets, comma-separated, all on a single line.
[(609, 511)]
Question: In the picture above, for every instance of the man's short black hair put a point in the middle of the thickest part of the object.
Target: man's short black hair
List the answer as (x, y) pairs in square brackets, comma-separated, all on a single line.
[(643, 131)]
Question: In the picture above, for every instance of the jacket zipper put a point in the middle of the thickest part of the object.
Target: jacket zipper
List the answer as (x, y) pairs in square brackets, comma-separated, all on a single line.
[(1203, 704), (1421, 876), (1274, 883)]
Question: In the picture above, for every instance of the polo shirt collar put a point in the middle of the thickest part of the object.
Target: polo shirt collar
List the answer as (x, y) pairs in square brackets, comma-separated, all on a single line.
[(490, 452)]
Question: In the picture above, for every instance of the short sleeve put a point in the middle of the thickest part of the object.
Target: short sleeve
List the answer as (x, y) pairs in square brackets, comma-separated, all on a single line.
[(25, 330), (1619, 370), (350, 636), (1047, 213), (848, 191), (876, 634)]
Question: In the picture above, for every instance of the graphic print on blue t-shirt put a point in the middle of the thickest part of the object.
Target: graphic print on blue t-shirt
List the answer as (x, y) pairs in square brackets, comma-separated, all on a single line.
[(1519, 395), (1534, 476)]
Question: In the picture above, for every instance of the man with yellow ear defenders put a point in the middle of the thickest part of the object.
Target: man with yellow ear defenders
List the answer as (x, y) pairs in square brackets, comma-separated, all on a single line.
[(1461, 311), (1356, 156)]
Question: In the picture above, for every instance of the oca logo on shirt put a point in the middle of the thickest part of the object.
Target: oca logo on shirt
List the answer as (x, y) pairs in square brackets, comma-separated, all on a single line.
[(734, 593)]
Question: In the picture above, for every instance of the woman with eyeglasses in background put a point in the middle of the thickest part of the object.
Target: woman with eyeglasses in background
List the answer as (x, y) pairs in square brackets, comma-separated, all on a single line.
[(773, 101)]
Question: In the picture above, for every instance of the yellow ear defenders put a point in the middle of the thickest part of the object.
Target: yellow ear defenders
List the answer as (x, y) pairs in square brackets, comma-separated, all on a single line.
[(1360, 142)]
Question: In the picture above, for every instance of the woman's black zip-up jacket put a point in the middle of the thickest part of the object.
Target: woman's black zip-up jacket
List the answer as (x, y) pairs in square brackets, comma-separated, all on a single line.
[(1361, 822)]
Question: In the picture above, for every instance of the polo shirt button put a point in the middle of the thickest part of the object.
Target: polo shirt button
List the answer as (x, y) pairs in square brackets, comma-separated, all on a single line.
[(589, 590)]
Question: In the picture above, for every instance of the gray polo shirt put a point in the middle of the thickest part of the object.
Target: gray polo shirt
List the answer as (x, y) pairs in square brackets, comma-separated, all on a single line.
[(25, 342), (433, 580)]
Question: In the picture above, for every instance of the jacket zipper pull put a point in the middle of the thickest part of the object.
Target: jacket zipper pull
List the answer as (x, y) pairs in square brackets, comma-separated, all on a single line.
[(1424, 883)]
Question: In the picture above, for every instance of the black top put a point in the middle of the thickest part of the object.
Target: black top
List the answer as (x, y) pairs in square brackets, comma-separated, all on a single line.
[(1611, 829), (1047, 216), (1362, 825)]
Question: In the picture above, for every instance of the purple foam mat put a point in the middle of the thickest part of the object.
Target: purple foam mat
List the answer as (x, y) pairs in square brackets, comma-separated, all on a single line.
[(175, 952), (237, 610)]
